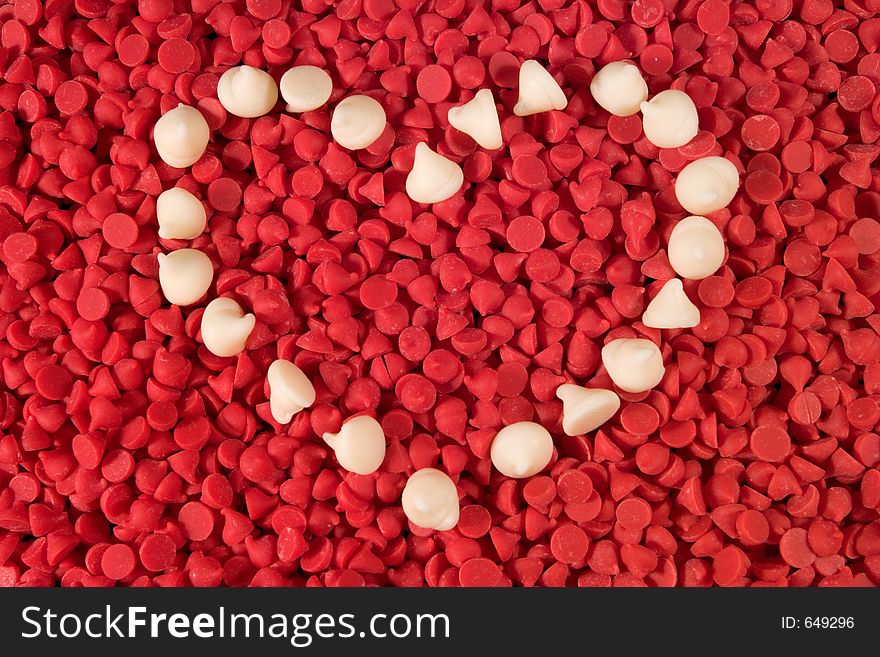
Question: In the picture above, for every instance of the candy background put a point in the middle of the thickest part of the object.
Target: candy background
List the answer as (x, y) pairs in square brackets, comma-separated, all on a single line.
[(132, 456)]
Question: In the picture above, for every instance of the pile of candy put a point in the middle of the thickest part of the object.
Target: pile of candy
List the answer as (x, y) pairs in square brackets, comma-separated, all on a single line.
[(498, 293)]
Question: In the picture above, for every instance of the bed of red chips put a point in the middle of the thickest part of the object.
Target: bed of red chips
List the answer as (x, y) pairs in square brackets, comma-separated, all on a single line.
[(131, 456)]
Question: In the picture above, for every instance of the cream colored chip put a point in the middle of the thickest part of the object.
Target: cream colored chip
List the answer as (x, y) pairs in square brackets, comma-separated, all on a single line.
[(359, 445), (706, 185), (671, 308), (306, 88), (634, 364), (478, 118), (247, 92), (696, 248), (357, 122), (181, 136), (670, 119), (430, 500), (538, 91), (585, 409), (181, 216), (185, 276), (225, 327), (521, 449), (290, 390), (433, 178), (619, 88)]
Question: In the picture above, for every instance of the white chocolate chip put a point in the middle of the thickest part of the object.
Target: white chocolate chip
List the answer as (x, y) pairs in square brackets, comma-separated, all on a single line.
[(290, 390), (585, 409), (538, 91), (521, 449), (181, 136), (433, 178), (671, 308), (634, 364), (430, 500), (306, 88), (478, 118), (706, 185), (225, 327), (619, 88), (359, 445), (357, 122), (185, 276), (181, 215), (696, 248), (247, 92), (670, 119)]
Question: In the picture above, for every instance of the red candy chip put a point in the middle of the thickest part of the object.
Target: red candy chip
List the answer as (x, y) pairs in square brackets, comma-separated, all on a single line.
[(196, 520), (134, 50), (865, 233), (479, 572), (716, 291), (841, 46), (624, 129), (713, 16), (824, 537), (176, 55), (118, 561), (469, 72), (378, 292), (434, 83), (19, 247), (120, 230), (633, 514), (760, 132), (647, 13), (652, 458), (441, 366), (557, 312), (794, 548), (276, 33), (574, 487), (264, 9), (71, 97), (53, 382), (805, 408), (802, 258), (224, 194), (729, 566), (416, 393), (752, 527), (512, 379), (474, 521), (770, 443), (504, 69), (157, 552), (797, 156), (93, 304), (525, 234), (856, 93), (414, 343), (539, 492), (656, 58), (569, 544), (763, 186), (640, 419), (529, 171)]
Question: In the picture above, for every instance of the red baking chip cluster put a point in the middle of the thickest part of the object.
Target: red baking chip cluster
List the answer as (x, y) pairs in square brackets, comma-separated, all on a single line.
[(130, 455)]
